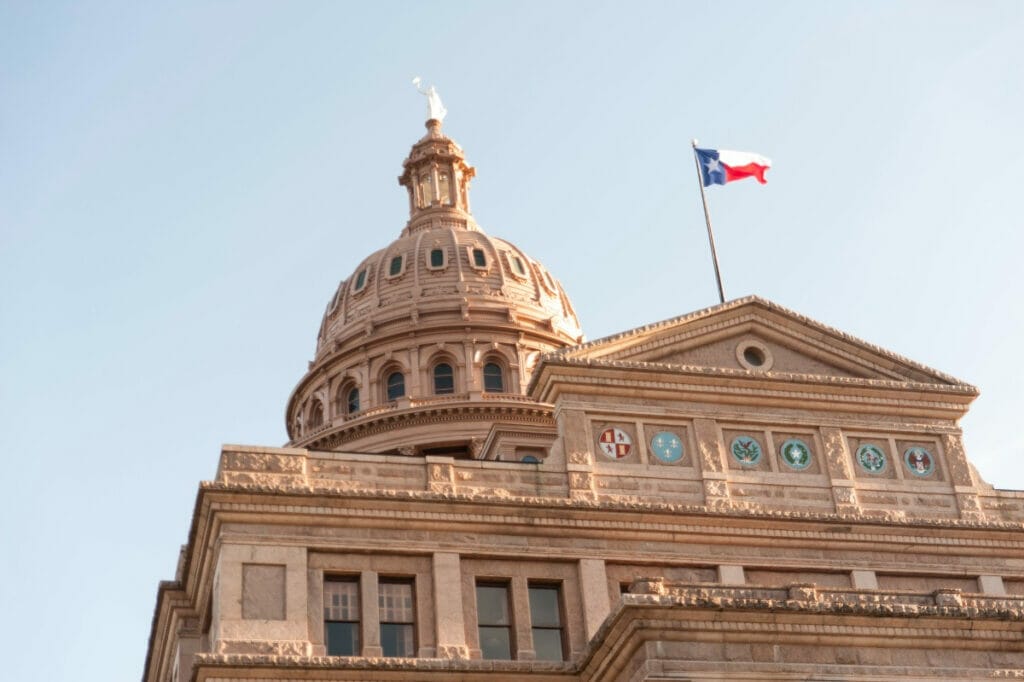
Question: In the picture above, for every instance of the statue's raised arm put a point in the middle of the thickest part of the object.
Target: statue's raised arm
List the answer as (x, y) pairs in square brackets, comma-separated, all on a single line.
[(435, 109)]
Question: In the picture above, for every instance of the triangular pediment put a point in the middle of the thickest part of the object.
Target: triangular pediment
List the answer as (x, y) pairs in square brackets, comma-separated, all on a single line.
[(755, 335)]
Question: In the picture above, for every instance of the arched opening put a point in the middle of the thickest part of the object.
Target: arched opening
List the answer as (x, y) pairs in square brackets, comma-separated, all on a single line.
[(444, 379), (316, 415), (395, 386), (494, 378)]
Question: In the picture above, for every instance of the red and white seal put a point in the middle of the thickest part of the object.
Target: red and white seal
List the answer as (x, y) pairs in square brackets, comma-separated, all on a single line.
[(615, 443)]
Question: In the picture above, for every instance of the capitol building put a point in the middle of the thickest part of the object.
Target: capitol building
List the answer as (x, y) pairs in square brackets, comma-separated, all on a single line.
[(472, 492)]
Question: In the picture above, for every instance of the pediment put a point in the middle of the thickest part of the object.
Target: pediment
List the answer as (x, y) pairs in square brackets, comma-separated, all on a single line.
[(755, 335)]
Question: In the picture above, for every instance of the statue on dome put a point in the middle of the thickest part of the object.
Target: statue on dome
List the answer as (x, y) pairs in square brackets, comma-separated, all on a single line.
[(435, 109)]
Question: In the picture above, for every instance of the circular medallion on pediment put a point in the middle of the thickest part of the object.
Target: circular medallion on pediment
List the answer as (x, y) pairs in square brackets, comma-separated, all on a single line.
[(871, 458), (615, 443), (919, 461), (746, 450), (667, 446), (795, 453)]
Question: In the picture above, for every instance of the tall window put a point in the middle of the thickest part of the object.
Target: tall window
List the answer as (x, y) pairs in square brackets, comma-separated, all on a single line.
[(352, 401), (361, 279), (341, 616), (444, 188), (395, 385), (444, 379), (424, 192), (494, 378), (436, 258), (546, 622), (494, 621), (397, 618)]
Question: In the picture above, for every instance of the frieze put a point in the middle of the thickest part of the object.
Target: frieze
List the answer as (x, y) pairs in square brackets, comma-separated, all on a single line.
[(808, 597), (265, 462)]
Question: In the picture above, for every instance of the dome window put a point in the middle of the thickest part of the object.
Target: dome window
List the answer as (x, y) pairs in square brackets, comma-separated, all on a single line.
[(395, 386), (352, 401), (494, 378), (478, 258), (444, 379), (518, 266), (395, 268), (360, 280), (436, 259)]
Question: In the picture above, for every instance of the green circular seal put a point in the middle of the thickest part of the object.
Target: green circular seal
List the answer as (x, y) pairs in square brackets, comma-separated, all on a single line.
[(871, 458), (795, 454), (746, 450)]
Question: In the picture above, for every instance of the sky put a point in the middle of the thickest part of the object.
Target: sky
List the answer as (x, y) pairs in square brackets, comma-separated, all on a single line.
[(183, 185)]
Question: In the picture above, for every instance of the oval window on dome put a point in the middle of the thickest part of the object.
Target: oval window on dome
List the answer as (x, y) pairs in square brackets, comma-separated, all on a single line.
[(479, 258), (360, 280), (396, 266), (518, 266)]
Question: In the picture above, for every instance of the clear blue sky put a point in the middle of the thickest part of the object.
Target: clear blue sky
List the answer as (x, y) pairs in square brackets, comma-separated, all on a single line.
[(182, 186)]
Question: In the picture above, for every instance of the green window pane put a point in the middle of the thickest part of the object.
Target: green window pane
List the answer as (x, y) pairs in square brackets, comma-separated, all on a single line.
[(492, 605), (548, 644), (495, 643), (436, 258), (342, 639), (396, 640), (396, 266), (479, 259), (544, 607)]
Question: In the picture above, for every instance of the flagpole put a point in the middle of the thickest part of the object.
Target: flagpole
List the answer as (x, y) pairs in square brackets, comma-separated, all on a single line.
[(707, 221)]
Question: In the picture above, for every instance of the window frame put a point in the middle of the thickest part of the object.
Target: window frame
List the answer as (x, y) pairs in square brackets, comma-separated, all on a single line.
[(400, 259), (388, 384), (357, 623), (560, 612), (410, 582), (488, 362), (509, 627), (445, 362), (444, 258), (360, 280), (471, 252)]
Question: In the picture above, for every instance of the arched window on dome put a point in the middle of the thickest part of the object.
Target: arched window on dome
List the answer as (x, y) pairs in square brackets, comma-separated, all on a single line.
[(494, 377), (395, 386), (444, 379), (316, 415), (346, 401)]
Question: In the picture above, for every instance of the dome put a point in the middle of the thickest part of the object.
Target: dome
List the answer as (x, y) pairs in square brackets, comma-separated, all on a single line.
[(432, 339)]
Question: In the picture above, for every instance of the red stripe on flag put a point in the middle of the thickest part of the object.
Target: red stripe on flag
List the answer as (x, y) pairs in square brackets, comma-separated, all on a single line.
[(751, 170)]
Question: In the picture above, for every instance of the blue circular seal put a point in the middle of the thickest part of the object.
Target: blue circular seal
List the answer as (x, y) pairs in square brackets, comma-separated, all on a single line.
[(796, 454), (919, 461), (667, 446), (745, 450), (871, 458)]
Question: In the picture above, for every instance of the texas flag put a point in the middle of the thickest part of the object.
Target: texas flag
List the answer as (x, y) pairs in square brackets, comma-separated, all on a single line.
[(719, 166)]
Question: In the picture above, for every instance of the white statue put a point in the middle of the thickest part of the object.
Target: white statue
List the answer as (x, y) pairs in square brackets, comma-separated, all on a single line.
[(435, 110)]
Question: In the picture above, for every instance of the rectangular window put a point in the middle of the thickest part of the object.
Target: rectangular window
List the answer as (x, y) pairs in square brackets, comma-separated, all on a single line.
[(397, 618), (436, 258), (341, 616), (494, 621), (479, 258), (546, 622)]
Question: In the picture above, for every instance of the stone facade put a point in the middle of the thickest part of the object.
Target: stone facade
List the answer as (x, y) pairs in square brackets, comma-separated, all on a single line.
[(738, 493)]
